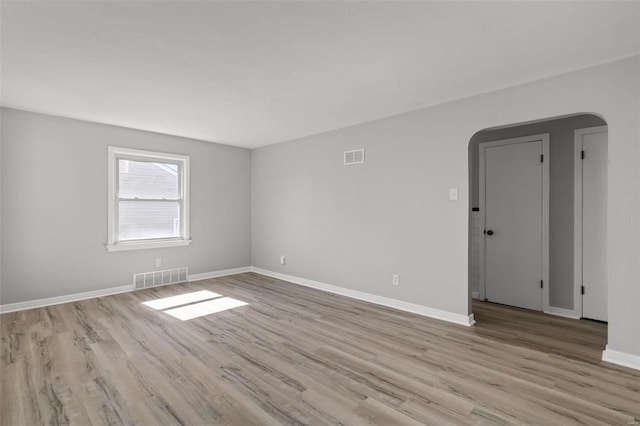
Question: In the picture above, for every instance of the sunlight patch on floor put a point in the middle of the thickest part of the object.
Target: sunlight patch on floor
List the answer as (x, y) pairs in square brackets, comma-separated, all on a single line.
[(181, 299), (195, 304), (201, 309)]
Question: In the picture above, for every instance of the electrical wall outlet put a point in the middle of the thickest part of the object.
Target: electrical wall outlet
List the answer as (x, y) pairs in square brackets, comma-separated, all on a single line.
[(283, 260), (158, 263), (395, 279)]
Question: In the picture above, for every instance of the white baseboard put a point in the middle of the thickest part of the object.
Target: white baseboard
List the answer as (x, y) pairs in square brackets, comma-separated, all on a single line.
[(372, 298), (50, 301), (621, 358), (475, 295), (561, 312), (216, 274)]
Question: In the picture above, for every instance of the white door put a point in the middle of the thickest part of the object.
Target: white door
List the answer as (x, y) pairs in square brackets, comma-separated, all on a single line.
[(594, 221), (514, 190)]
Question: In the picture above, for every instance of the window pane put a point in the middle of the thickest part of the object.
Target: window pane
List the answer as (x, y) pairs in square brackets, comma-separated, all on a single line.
[(148, 219), (142, 179)]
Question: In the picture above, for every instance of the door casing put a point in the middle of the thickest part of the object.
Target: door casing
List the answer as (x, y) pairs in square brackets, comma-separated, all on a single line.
[(578, 214), (544, 138)]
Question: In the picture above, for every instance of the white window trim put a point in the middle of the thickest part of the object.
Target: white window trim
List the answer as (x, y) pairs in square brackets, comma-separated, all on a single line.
[(112, 230)]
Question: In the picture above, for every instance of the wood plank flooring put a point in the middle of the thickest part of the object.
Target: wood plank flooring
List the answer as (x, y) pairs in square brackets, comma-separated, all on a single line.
[(295, 355)]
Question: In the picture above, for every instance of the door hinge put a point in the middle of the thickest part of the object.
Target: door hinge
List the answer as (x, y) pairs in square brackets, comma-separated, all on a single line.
[(541, 284), (582, 290), (582, 155), (542, 158)]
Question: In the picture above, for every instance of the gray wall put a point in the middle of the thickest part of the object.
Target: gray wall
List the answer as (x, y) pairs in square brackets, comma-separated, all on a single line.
[(54, 207), (356, 226), (561, 213)]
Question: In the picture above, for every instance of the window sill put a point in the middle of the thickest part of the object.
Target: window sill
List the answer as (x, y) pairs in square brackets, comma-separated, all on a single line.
[(141, 245)]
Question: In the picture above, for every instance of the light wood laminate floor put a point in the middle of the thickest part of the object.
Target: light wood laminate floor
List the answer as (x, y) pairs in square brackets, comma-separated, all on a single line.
[(295, 355)]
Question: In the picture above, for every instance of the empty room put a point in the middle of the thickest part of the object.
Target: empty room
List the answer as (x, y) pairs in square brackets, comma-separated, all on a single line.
[(319, 212)]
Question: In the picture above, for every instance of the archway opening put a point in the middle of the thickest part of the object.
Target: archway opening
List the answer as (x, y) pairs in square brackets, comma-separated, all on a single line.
[(530, 259)]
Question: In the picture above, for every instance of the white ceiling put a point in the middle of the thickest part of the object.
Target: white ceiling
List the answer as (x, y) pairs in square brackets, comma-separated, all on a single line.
[(251, 74)]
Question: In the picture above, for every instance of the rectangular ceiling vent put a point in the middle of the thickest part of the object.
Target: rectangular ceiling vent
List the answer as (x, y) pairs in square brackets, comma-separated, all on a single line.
[(353, 157), (156, 278)]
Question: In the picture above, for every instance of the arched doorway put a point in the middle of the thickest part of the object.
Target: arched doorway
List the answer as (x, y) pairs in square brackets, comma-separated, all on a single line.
[(572, 252)]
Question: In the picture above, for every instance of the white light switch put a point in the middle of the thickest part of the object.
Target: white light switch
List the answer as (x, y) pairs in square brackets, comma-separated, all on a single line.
[(453, 194)]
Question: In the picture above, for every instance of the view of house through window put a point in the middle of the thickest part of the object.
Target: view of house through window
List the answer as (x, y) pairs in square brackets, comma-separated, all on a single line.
[(148, 198)]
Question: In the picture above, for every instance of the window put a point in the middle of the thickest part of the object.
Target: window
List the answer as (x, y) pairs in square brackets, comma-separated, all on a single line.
[(148, 199)]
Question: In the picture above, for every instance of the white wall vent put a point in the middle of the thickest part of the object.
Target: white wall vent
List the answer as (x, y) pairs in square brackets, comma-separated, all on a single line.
[(355, 156), (156, 278)]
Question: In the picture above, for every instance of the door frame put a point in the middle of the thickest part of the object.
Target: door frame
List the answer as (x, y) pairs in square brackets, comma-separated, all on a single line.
[(578, 213), (544, 138)]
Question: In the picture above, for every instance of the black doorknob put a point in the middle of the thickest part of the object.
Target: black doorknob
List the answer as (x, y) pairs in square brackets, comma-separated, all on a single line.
[(489, 232)]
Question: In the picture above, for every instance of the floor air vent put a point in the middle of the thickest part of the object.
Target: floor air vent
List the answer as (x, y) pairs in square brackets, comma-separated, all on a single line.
[(156, 278)]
